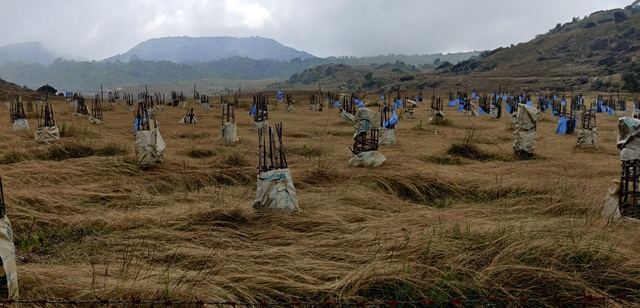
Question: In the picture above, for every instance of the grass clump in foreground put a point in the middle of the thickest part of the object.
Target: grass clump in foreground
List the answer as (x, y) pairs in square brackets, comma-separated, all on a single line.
[(14, 156), (469, 149), (64, 151), (200, 153), (446, 160), (441, 121)]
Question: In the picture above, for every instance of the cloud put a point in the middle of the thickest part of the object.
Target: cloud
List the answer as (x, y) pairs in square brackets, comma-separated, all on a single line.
[(249, 14), (101, 28)]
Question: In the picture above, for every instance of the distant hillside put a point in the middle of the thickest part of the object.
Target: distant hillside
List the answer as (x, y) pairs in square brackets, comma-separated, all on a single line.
[(88, 76), (31, 52), (590, 52), (9, 88), (206, 49)]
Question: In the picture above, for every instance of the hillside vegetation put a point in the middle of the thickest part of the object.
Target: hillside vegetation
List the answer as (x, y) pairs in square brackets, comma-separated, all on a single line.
[(88, 76)]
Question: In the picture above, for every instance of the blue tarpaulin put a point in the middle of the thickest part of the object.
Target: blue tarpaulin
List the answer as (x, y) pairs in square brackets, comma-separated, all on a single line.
[(392, 121), (562, 125), (135, 124)]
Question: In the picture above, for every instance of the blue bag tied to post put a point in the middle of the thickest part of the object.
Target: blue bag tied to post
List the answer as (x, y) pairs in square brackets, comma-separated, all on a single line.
[(461, 108), (420, 98), (279, 94), (253, 110), (452, 103), (562, 125), (381, 97), (529, 103), (508, 108), (360, 104), (554, 112), (392, 121), (610, 111), (563, 103), (336, 104), (135, 123), (481, 111)]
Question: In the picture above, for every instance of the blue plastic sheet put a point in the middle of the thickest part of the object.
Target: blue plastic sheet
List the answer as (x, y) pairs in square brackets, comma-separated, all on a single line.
[(279, 94), (481, 111), (381, 97), (360, 104), (135, 124), (253, 110), (336, 104), (562, 125), (420, 98), (461, 108), (508, 108), (610, 111), (563, 103), (529, 103), (452, 103), (392, 121)]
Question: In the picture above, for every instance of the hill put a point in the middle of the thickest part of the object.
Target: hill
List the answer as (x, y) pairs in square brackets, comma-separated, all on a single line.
[(88, 76), (204, 49), (30, 52), (589, 53), (596, 53)]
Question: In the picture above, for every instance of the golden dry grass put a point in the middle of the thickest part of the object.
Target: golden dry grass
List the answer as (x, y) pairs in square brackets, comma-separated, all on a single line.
[(99, 226)]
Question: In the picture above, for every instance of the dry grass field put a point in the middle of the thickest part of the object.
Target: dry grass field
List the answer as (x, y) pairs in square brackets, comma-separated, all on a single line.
[(88, 222)]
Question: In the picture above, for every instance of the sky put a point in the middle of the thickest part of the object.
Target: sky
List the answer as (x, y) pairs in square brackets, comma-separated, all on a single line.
[(97, 29)]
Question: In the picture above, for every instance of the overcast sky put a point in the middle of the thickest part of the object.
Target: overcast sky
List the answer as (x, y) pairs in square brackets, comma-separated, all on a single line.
[(96, 29)]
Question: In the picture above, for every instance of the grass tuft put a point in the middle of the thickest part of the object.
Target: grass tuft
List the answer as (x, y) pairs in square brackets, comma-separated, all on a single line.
[(200, 153)]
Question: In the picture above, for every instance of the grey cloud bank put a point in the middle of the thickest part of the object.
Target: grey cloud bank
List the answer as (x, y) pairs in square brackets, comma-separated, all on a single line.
[(98, 29)]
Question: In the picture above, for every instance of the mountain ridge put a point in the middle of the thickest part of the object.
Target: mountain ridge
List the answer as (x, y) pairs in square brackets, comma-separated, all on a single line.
[(27, 52), (186, 49)]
